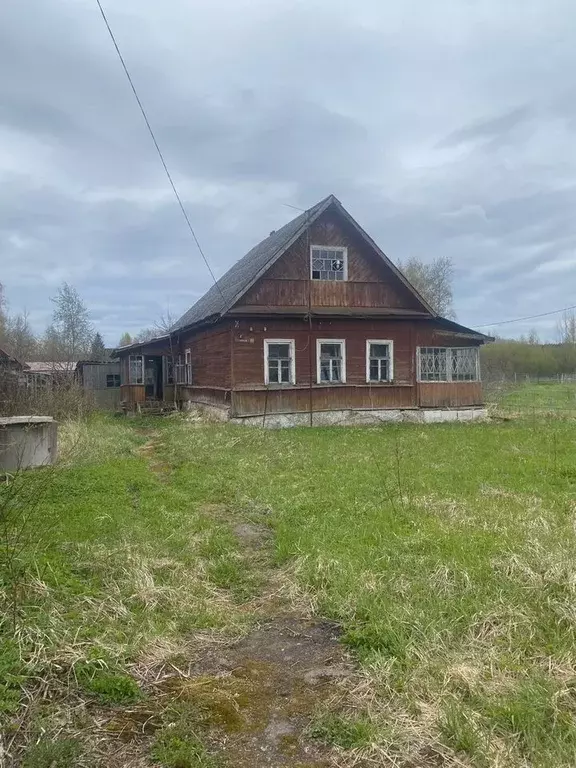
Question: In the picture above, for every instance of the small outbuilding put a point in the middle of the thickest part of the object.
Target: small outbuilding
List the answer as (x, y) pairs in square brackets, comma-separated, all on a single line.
[(102, 381)]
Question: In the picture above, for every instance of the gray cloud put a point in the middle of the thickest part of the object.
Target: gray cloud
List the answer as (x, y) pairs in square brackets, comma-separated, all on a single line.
[(445, 130), (499, 129)]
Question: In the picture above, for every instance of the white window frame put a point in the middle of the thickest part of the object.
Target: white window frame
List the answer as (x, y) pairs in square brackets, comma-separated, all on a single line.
[(183, 369), (169, 369), (133, 357), (390, 344), (343, 249), (292, 344), (448, 379), (319, 343)]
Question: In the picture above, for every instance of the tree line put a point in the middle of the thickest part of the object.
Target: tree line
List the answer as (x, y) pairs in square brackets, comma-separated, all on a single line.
[(69, 336), (528, 356)]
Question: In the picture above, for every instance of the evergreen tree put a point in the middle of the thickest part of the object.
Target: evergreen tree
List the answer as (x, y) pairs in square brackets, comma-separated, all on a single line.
[(98, 348)]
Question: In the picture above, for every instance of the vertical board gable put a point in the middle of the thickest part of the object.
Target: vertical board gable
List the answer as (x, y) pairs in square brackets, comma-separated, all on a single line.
[(371, 283)]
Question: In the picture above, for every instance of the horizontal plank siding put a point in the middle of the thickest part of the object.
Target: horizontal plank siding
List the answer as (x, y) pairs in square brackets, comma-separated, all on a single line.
[(132, 393), (437, 394), (297, 400)]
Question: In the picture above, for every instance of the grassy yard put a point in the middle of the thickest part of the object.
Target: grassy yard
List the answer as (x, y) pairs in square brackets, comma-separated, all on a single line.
[(446, 553), (532, 397)]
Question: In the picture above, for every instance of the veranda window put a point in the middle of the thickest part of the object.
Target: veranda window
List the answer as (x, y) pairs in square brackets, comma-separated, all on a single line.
[(448, 364), (183, 368), (136, 369)]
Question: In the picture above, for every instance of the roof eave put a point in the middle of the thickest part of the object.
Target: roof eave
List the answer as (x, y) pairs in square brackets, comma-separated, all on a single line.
[(280, 251)]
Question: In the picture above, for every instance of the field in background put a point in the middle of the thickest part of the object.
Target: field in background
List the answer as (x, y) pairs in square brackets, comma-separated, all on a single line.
[(546, 397), (447, 553)]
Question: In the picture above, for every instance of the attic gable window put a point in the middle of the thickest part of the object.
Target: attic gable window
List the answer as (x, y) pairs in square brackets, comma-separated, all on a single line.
[(328, 262)]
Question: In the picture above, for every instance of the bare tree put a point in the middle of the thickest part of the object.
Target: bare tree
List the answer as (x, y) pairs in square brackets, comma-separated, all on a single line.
[(71, 323), (20, 337), (3, 316), (433, 281), (566, 328), (161, 327), (145, 334)]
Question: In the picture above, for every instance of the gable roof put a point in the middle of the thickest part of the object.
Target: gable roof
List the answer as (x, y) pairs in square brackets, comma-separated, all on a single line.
[(5, 355), (242, 275)]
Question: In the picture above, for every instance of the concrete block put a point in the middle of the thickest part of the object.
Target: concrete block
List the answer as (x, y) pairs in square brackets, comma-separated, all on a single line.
[(27, 441)]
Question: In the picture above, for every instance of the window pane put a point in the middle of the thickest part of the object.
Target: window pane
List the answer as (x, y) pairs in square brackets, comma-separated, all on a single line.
[(285, 370), (433, 364), (277, 351), (336, 370), (330, 350), (328, 264), (379, 350), (464, 364), (325, 371), (273, 371), (135, 365)]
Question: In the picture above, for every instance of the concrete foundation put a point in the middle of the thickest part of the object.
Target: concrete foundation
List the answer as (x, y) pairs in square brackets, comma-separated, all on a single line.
[(351, 418), (209, 412), (27, 441)]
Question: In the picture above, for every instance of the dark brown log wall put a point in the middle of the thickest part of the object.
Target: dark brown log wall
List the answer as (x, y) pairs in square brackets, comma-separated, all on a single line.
[(248, 347), (210, 350)]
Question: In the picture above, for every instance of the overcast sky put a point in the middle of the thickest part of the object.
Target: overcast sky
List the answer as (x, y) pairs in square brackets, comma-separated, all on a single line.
[(444, 127)]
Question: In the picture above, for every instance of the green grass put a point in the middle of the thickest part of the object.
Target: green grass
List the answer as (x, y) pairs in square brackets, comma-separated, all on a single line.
[(446, 552), (60, 753), (344, 732), (540, 397)]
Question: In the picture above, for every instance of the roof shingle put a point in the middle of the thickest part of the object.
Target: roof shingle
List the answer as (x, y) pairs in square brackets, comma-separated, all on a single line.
[(242, 274)]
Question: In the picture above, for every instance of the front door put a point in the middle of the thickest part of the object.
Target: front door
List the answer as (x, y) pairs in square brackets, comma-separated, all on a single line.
[(153, 378)]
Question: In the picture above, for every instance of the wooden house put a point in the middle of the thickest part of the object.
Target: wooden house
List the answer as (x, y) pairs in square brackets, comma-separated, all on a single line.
[(314, 325)]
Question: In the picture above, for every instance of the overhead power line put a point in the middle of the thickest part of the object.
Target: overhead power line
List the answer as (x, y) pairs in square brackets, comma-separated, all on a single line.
[(528, 317), (158, 150)]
